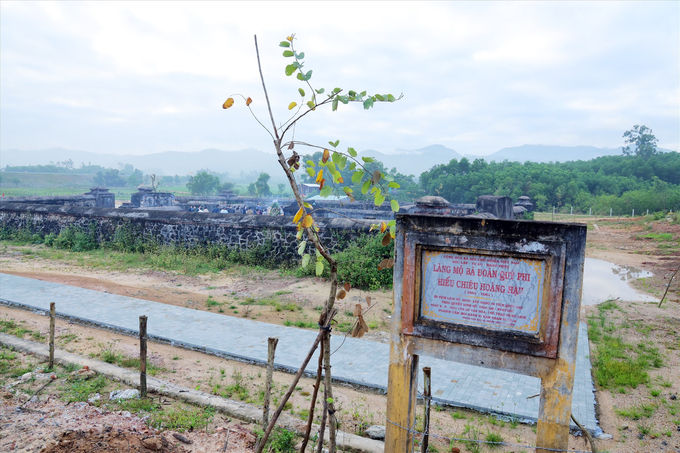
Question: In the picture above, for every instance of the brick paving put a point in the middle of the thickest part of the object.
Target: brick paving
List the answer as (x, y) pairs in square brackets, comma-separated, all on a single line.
[(357, 361)]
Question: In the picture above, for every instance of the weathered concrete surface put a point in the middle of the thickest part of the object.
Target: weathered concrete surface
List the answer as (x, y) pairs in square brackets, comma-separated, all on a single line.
[(236, 409)]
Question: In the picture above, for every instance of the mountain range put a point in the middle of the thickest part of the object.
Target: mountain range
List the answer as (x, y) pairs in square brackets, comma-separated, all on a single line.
[(245, 163)]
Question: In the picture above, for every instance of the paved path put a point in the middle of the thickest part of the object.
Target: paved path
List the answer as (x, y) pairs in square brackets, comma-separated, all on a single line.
[(358, 361)]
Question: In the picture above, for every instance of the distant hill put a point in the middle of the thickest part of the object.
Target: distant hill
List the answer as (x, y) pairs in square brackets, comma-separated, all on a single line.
[(246, 164), (551, 153), (166, 163), (415, 161)]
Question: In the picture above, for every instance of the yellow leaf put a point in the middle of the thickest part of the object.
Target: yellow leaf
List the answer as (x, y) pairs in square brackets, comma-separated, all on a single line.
[(307, 222), (319, 177), (290, 38), (249, 101), (298, 216), (228, 103), (326, 155), (341, 294), (340, 180), (292, 105), (383, 227)]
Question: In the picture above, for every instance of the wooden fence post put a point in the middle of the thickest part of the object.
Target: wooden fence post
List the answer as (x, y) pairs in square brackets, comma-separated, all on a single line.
[(272, 342), (142, 356), (52, 323), (427, 393)]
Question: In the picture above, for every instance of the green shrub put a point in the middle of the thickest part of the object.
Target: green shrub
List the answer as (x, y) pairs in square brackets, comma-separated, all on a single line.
[(77, 239), (358, 263)]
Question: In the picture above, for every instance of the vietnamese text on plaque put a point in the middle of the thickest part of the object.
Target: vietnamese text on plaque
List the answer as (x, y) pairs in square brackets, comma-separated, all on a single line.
[(486, 291)]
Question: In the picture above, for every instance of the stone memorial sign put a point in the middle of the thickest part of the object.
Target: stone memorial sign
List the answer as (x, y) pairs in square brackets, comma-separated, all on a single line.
[(499, 294)]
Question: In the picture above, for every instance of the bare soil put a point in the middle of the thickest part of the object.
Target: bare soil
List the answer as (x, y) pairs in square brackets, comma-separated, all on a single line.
[(284, 299)]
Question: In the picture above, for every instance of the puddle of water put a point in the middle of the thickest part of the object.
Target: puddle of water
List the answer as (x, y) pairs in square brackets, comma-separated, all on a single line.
[(603, 280)]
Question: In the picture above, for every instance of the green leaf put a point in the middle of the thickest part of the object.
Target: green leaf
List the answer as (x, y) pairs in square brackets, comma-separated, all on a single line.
[(391, 223), (308, 75), (342, 163), (356, 177), (311, 104), (335, 157), (284, 44), (363, 93), (301, 56), (320, 90), (311, 172), (337, 90), (379, 199), (379, 97), (329, 400), (394, 185), (290, 69), (301, 91), (305, 260), (343, 99), (352, 166), (310, 163), (336, 177), (336, 143), (390, 98), (395, 205), (300, 76), (335, 105), (388, 177), (393, 230), (365, 187), (352, 152), (368, 160), (298, 235), (292, 105), (307, 205), (326, 191), (288, 53), (368, 103), (331, 166), (301, 248), (319, 268)]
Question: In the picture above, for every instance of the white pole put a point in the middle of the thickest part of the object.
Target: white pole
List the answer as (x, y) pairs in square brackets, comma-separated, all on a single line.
[(572, 210), (633, 212), (590, 212), (610, 212)]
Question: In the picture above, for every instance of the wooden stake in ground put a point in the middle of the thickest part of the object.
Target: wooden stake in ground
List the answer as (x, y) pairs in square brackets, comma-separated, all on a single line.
[(427, 387), (272, 342), (52, 323), (142, 356)]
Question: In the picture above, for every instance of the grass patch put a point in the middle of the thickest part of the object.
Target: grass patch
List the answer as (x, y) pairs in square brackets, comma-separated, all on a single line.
[(81, 389), (12, 328), (182, 418), (637, 412), (7, 358)]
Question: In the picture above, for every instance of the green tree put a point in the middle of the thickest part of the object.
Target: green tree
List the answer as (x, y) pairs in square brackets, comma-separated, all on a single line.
[(203, 183), (109, 178), (135, 178), (261, 186), (643, 139)]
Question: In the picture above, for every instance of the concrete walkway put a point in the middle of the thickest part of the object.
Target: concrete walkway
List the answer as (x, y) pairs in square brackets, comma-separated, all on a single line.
[(357, 361)]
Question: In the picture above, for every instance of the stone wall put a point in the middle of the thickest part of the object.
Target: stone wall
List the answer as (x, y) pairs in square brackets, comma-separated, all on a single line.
[(181, 228), (99, 197)]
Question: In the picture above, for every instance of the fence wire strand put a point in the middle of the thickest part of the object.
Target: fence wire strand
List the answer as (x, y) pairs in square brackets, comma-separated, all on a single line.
[(478, 441)]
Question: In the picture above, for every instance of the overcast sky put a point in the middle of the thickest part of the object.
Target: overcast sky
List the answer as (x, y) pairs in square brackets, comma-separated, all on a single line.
[(144, 77)]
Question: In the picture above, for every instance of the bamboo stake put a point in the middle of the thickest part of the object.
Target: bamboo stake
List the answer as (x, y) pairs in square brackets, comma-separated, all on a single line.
[(272, 342), (427, 385), (52, 325), (310, 419), (142, 356)]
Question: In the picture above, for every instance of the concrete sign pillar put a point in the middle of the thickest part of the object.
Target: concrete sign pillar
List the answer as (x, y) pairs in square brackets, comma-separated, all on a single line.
[(492, 293)]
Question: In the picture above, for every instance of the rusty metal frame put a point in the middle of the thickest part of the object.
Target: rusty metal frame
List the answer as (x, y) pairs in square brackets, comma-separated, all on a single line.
[(549, 355)]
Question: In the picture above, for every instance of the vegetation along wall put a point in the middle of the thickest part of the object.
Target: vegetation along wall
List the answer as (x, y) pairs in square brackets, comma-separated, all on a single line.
[(275, 235)]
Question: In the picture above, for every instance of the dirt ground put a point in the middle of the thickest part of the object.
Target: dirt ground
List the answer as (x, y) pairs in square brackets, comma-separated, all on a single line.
[(270, 297)]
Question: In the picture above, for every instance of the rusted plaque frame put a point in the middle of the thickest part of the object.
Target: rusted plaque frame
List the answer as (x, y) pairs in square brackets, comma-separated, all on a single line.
[(549, 355)]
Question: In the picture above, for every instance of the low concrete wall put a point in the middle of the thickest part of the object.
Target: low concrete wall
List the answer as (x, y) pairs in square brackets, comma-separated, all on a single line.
[(239, 231)]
